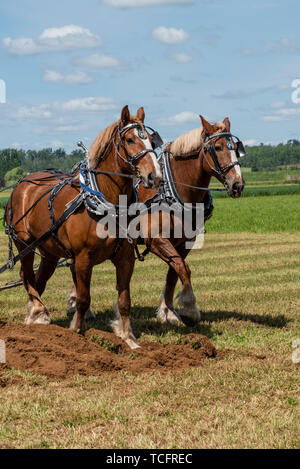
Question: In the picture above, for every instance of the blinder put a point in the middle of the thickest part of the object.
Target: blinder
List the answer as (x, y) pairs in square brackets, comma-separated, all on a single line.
[(240, 149), (157, 141)]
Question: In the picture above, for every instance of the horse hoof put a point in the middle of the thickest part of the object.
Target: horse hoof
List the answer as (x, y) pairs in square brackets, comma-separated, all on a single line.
[(89, 315), (190, 316), (188, 321), (164, 314), (77, 330), (132, 344), (42, 319)]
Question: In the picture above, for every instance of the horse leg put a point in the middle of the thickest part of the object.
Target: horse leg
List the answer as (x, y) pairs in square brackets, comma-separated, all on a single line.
[(186, 297), (177, 268), (124, 263), (46, 270), (166, 311), (83, 272), (72, 298), (37, 311)]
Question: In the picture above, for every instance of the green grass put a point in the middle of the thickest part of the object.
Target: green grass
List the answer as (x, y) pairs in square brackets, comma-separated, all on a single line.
[(246, 280), (247, 288), (269, 177), (257, 191), (256, 214)]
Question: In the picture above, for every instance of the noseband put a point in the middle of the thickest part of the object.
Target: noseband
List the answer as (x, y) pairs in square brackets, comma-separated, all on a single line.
[(210, 148)]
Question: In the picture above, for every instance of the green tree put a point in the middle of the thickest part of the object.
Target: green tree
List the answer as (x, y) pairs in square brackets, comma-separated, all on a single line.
[(13, 175)]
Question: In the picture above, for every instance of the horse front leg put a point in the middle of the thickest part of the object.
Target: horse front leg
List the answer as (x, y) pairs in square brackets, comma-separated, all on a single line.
[(177, 268), (124, 263), (37, 311), (83, 271), (71, 302), (186, 297)]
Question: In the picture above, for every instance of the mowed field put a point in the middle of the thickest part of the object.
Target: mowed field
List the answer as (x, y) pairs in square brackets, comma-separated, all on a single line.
[(247, 283)]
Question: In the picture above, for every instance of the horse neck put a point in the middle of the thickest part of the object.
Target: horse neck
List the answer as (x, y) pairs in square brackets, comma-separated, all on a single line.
[(112, 186), (190, 171)]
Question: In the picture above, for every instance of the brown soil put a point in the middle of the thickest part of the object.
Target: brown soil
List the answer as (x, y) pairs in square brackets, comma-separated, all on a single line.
[(59, 353)]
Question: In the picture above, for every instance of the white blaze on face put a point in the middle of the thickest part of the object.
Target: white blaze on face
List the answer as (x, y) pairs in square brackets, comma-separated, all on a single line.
[(148, 146), (237, 166)]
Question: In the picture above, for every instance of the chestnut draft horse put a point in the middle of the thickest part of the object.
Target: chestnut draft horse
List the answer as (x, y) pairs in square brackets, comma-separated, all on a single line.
[(194, 158), (123, 148)]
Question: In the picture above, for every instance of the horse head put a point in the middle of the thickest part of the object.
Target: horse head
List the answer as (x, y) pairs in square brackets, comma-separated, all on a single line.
[(135, 148), (221, 151)]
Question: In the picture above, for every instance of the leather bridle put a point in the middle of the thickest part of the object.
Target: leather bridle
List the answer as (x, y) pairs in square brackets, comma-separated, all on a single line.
[(209, 147), (131, 160)]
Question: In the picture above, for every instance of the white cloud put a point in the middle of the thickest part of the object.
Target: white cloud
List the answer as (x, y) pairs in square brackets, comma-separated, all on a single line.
[(277, 104), (169, 35), (181, 118), (48, 111), (71, 128), (53, 39), (33, 112), (18, 145), (90, 104), (144, 3), (251, 141), (181, 58), (247, 52), (78, 77), (283, 114), (98, 61), (286, 45), (56, 144)]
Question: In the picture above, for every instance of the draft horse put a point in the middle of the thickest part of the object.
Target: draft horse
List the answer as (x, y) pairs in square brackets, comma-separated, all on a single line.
[(193, 158), (123, 148)]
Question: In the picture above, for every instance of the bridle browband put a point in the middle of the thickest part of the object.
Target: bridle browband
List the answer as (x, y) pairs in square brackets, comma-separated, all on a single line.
[(210, 148)]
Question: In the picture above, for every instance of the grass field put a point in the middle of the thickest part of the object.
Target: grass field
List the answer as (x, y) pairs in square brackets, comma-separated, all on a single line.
[(256, 214), (247, 287)]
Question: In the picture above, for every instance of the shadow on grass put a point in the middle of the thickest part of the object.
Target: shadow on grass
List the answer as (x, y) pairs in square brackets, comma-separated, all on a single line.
[(143, 321), (278, 321)]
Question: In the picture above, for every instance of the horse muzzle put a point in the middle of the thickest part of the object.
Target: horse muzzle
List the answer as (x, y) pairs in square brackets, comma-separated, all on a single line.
[(150, 181), (235, 189)]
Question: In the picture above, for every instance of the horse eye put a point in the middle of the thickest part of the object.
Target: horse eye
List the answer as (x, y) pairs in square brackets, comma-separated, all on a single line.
[(130, 141), (218, 148)]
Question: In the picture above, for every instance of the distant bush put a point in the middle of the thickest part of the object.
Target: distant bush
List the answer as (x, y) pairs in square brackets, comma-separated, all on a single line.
[(13, 175)]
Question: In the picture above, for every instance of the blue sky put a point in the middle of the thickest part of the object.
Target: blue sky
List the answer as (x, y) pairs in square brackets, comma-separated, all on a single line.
[(70, 65)]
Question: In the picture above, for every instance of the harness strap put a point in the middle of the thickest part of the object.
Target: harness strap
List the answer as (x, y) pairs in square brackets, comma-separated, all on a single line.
[(31, 247)]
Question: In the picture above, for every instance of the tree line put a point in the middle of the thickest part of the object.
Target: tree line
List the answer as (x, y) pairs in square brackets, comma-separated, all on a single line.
[(15, 163), (268, 157)]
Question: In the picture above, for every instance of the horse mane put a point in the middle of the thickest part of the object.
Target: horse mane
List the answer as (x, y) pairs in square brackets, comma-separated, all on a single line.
[(99, 145), (191, 141)]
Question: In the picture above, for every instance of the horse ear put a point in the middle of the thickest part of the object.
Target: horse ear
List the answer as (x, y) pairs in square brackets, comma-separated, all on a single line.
[(125, 115), (207, 127), (141, 114), (226, 122)]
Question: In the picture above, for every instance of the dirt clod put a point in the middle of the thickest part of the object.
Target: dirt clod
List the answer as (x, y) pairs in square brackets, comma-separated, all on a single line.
[(57, 352)]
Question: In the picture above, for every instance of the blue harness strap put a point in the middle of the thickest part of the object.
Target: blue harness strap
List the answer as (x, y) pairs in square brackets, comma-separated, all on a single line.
[(87, 188)]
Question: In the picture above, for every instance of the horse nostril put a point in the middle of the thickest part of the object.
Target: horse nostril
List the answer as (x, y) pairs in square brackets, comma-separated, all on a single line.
[(151, 179), (237, 188)]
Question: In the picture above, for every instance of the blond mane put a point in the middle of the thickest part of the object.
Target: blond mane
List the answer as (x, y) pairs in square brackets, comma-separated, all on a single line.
[(191, 141), (100, 143)]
